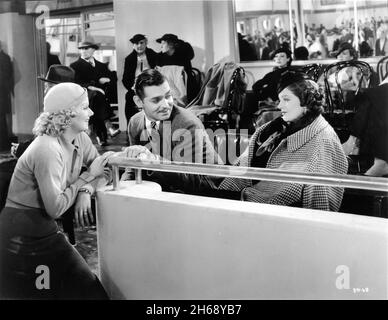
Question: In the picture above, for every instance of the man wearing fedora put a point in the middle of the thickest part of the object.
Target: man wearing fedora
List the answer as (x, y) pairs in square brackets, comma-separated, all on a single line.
[(95, 76), (175, 51), (141, 58), (57, 73)]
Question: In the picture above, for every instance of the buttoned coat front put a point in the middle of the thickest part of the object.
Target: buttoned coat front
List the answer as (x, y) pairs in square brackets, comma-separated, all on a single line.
[(313, 149)]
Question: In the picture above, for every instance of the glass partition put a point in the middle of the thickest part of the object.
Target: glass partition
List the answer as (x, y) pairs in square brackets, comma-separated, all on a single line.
[(361, 194), (319, 25)]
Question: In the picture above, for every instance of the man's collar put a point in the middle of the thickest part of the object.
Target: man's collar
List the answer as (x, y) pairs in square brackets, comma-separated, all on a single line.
[(88, 60)]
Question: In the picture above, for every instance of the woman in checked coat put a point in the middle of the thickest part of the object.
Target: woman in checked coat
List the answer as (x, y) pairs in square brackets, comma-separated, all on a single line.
[(299, 140)]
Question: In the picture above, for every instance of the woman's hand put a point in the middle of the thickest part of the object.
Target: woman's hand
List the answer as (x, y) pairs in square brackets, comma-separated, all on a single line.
[(83, 210), (106, 178), (139, 152), (97, 167)]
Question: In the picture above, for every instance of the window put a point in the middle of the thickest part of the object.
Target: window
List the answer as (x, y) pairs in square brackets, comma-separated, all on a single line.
[(319, 25)]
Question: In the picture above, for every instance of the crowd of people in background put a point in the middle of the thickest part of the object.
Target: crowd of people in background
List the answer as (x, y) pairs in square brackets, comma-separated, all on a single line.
[(372, 40)]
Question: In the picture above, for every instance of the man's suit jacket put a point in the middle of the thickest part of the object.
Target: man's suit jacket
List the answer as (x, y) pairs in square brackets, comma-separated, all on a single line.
[(87, 75), (370, 123), (181, 138), (130, 65)]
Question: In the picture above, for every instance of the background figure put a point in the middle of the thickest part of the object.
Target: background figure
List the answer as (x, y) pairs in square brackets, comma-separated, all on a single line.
[(264, 50), (301, 53), (247, 53), (315, 48), (369, 129), (96, 77), (6, 92), (51, 58), (175, 51), (141, 58), (381, 46), (265, 89)]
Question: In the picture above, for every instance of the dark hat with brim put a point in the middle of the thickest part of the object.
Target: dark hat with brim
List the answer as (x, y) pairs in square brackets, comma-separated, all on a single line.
[(343, 46), (87, 44), (282, 49), (289, 77), (168, 37), (58, 73), (137, 37)]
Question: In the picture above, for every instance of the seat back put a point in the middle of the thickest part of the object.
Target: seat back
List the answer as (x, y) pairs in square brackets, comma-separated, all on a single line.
[(343, 80), (313, 70), (221, 98), (382, 68)]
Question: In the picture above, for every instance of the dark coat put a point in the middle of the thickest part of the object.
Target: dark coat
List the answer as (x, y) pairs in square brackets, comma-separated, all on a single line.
[(52, 59), (182, 56), (86, 75), (130, 65), (370, 123), (6, 82), (267, 86)]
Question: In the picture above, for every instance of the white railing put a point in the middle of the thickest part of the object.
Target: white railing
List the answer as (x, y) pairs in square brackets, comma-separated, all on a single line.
[(343, 181)]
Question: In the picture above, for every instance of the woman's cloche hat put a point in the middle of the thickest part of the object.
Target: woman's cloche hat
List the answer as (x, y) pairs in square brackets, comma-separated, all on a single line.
[(64, 96)]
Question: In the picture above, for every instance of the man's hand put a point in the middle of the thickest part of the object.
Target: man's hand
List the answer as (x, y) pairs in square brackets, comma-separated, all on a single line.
[(103, 80), (97, 167), (138, 152), (83, 210)]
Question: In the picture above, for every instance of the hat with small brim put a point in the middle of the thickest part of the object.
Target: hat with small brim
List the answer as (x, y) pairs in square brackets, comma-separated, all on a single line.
[(289, 77), (137, 37), (58, 73), (87, 44), (168, 37), (343, 46), (64, 96)]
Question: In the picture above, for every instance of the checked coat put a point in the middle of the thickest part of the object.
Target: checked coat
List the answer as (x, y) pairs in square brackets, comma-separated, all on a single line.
[(313, 149)]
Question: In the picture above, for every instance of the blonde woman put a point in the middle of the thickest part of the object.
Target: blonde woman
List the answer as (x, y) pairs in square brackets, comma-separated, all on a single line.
[(46, 182)]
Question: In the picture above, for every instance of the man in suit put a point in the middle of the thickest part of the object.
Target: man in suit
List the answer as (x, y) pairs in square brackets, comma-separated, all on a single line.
[(141, 58), (95, 76), (369, 129), (163, 131), (6, 92)]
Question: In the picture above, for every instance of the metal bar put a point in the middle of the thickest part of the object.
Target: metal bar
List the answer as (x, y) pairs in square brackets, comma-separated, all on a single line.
[(355, 39), (100, 20), (343, 181), (116, 177), (138, 176), (291, 26), (98, 29)]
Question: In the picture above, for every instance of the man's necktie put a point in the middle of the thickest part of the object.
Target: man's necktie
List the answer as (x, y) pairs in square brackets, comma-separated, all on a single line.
[(155, 139), (91, 62), (154, 130), (141, 69)]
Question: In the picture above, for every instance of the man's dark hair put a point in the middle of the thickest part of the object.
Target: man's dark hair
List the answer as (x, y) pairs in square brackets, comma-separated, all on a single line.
[(148, 78)]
